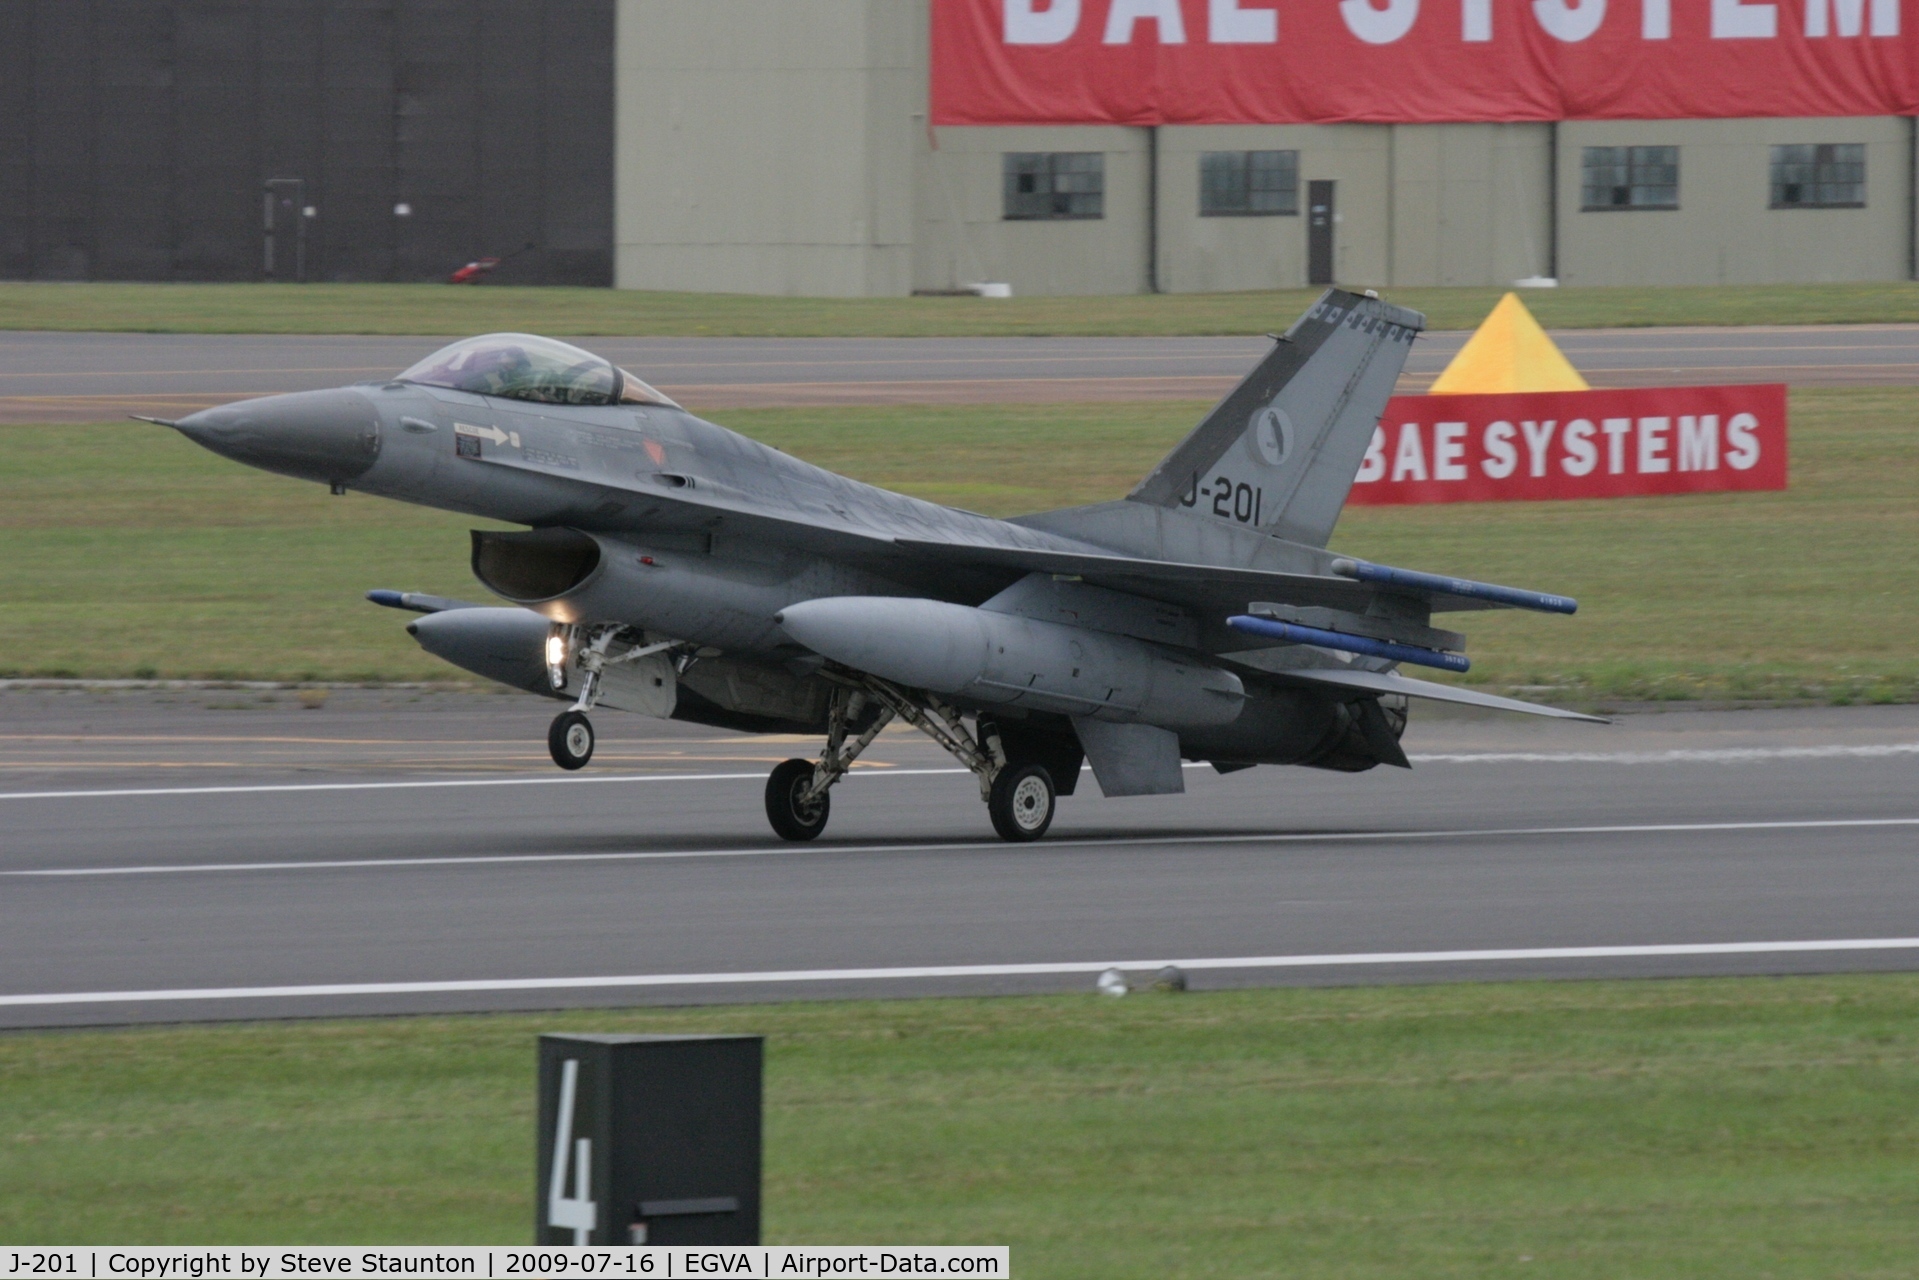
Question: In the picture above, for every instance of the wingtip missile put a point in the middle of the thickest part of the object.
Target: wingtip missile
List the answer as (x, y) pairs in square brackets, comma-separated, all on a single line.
[(1466, 588)]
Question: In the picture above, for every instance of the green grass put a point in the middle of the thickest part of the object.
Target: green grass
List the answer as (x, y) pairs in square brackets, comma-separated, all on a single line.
[(133, 553), (446, 309), (1725, 1127)]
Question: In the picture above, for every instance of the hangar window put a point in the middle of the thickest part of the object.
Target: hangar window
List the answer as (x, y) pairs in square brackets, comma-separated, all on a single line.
[(1055, 184), (1629, 178), (521, 366), (1248, 183), (1819, 175)]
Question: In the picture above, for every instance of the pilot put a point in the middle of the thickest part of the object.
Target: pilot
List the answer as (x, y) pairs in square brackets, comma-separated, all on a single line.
[(499, 371)]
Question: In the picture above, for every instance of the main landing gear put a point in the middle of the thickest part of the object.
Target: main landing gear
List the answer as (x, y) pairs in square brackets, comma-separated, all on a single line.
[(1019, 798), (796, 808), (569, 739), (1021, 802)]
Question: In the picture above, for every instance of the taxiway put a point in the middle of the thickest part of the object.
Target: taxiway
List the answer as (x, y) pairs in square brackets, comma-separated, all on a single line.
[(85, 377)]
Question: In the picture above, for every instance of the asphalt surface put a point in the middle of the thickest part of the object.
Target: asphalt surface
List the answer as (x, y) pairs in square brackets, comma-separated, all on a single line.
[(205, 854), (83, 377)]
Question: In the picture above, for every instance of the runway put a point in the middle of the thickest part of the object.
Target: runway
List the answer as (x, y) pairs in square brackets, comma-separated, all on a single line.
[(205, 854), (85, 377)]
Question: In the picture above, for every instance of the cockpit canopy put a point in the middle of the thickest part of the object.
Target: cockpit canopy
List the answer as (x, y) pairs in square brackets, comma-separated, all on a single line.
[(521, 366)]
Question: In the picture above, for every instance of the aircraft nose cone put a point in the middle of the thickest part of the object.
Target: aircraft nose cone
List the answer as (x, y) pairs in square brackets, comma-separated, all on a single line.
[(328, 436)]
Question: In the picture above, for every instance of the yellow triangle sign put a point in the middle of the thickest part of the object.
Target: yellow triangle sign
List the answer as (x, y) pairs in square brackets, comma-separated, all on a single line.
[(1508, 352)]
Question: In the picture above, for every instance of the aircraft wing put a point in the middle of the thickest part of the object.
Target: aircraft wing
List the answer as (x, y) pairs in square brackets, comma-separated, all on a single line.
[(910, 539), (1203, 586), (1393, 682), (712, 505), (1213, 586)]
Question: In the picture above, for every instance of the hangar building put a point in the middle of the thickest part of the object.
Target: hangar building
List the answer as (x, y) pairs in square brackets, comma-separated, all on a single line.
[(878, 147), (315, 139)]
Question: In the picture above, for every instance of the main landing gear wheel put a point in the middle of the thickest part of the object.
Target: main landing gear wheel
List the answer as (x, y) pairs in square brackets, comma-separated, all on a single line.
[(1022, 802), (570, 740), (791, 819)]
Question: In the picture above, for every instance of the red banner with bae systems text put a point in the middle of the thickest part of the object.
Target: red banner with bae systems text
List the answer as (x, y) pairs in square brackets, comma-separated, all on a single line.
[(1575, 444), (1146, 62)]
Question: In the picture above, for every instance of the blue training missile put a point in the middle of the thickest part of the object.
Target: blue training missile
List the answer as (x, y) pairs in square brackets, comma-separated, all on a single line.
[(1513, 597), (417, 601), (1292, 631)]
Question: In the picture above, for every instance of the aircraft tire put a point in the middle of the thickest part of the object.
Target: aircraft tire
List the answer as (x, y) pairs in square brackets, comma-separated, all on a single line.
[(570, 740), (791, 820), (1022, 802)]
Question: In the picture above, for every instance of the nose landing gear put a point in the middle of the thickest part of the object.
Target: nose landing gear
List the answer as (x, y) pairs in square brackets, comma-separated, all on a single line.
[(570, 740)]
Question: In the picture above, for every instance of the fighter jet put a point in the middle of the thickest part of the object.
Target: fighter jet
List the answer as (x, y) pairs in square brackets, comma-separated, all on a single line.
[(673, 568)]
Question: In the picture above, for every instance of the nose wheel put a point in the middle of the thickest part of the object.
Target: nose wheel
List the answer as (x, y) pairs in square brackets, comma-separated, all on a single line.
[(570, 739), (1021, 802)]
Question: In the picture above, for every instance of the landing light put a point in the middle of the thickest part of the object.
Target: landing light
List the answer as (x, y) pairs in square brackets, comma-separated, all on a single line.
[(556, 659)]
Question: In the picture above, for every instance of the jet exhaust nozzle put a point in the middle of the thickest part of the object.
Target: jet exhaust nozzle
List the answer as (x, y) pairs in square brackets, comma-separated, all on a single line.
[(1010, 660)]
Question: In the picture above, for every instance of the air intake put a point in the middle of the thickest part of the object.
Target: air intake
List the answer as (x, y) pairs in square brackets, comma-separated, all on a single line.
[(540, 565)]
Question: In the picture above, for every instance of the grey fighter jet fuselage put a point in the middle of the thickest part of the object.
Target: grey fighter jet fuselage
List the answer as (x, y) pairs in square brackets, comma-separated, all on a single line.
[(672, 567)]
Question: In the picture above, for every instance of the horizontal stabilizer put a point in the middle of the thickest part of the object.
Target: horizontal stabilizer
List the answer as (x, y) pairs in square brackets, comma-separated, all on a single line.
[(1392, 682)]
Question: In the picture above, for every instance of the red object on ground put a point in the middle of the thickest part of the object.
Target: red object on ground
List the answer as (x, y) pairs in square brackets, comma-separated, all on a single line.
[(1148, 62), (1531, 445), (472, 271)]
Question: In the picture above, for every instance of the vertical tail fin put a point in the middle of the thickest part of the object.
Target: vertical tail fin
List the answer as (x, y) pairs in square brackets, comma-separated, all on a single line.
[(1280, 451)]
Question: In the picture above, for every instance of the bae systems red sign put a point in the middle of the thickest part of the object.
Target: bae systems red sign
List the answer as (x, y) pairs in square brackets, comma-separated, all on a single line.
[(1146, 62), (1575, 444)]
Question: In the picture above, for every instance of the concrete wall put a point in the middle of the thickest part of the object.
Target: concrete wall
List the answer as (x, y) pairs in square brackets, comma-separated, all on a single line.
[(766, 146), (1466, 204), (1470, 203), (962, 234), (1199, 255), (1723, 232), (1416, 205)]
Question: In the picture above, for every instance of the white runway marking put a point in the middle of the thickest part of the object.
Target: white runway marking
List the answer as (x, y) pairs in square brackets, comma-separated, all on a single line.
[(1681, 755), (791, 850), (959, 971), (1716, 755), (430, 783)]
